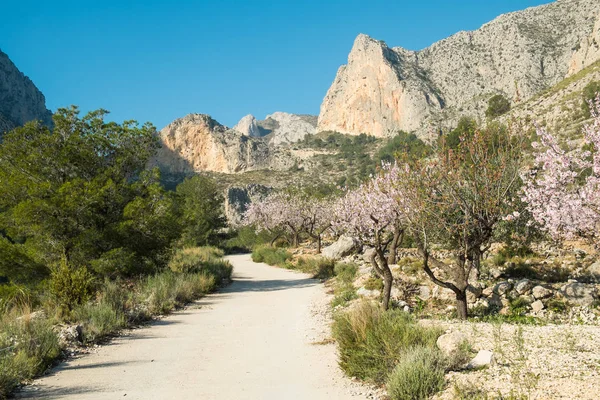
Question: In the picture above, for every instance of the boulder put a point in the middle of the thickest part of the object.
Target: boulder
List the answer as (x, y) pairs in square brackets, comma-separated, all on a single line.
[(483, 359), (537, 306), (34, 316), (367, 254), (579, 293), (424, 292), (540, 292), (343, 247), (502, 288), (594, 271), (368, 293), (474, 292), (523, 286), (450, 343), (70, 335)]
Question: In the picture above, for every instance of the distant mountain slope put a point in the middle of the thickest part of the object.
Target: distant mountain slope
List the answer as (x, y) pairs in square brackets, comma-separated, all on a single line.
[(20, 99), (382, 90)]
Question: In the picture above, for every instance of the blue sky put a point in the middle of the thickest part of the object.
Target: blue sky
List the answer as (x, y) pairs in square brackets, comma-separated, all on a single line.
[(159, 60)]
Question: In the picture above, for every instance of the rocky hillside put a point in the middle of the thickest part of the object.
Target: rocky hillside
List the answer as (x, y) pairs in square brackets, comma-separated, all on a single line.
[(382, 90), (20, 99), (279, 127)]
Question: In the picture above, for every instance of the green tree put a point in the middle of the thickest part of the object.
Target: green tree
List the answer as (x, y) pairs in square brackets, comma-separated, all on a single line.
[(465, 129), (200, 203), (403, 144), (497, 106)]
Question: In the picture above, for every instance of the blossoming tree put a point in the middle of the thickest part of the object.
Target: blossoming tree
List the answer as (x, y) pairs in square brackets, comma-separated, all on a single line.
[(563, 190)]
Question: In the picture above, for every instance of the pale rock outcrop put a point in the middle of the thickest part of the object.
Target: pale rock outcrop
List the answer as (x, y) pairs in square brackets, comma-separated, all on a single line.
[(248, 126), (382, 90), (344, 246), (484, 358), (587, 51), (288, 128), (450, 343), (197, 142), (20, 100)]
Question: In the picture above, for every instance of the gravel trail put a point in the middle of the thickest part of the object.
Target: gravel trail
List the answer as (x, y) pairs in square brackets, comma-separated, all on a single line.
[(255, 339)]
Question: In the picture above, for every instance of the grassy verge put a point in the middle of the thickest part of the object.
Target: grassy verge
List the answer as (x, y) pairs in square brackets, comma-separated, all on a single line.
[(29, 343), (389, 348), (271, 255)]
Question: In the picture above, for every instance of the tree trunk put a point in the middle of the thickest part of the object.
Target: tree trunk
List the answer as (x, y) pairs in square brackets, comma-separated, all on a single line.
[(296, 239), (461, 305), (274, 240), (392, 256), (388, 280), (318, 243)]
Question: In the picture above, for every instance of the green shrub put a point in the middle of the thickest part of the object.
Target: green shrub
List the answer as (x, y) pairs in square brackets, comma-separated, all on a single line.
[(245, 239), (319, 267), (271, 255), (70, 287), (374, 283), (343, 296), (27, 348), (192, 259), (345, 272), (418, 375), (372, 341), (497, 106), (98, 320)]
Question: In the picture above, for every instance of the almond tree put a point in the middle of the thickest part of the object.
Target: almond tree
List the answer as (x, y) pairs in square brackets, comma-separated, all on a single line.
[(316, 214), (563, 190), (456, 201), (366, 214)]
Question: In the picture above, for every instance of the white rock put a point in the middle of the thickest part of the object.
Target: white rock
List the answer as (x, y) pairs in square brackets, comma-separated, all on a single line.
[(540, 292), (483, 359), (537, 306), (523, 286), (449, 343), (344, 246), (368, 293), (248, 126)]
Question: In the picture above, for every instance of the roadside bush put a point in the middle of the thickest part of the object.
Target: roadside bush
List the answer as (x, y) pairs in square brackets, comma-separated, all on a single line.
[(345, 272), (418, 375), (193, 259), (271, 255), (318, 267), (28, 346), (372, 341), (98, 320), (70, 287)]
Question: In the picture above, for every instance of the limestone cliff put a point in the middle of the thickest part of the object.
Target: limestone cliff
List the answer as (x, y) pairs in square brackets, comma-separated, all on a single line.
[(382, 90), (279, 127), (197, 142), (20, 99)]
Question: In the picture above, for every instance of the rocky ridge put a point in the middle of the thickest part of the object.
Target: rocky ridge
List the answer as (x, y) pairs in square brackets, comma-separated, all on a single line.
[(20, 100), (382, 90)]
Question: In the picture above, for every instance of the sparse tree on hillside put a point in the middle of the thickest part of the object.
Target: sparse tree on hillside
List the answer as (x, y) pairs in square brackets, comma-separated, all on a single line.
[(498, 105)]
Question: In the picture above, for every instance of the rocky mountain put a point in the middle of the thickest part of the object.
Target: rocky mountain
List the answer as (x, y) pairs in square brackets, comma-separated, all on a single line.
[(197, 142), (279, 127), (382, 90), (20, 99)]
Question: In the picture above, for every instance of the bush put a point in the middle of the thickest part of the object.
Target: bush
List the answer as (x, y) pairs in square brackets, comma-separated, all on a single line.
[(271, 255), (98, 320), (319, 267), (418, 375), (27, 348), (497, 106), (372, 341), (193, 259), (345, 272), (70, 287)]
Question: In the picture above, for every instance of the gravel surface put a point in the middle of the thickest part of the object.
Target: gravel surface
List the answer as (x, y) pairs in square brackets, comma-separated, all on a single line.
[(263, 337)]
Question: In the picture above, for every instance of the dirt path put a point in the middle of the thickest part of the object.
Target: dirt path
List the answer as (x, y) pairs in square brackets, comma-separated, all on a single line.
[(253, 340)]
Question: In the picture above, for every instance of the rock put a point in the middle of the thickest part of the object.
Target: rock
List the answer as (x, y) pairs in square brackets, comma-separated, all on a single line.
[(20, 100), (487, 292), (523, 286), (579, 293), (450, 343), (537, 306), (495, 273), (197, 142), (382, 90), (424, 292), (442, 293), (70, 335), (34, 316), (368, 293), (502, 288), (248, 126), (483, 359), (367, 254), (344, 246), (594, 271), (540, 292), (288, 128), (474, 292), (495, 301)]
